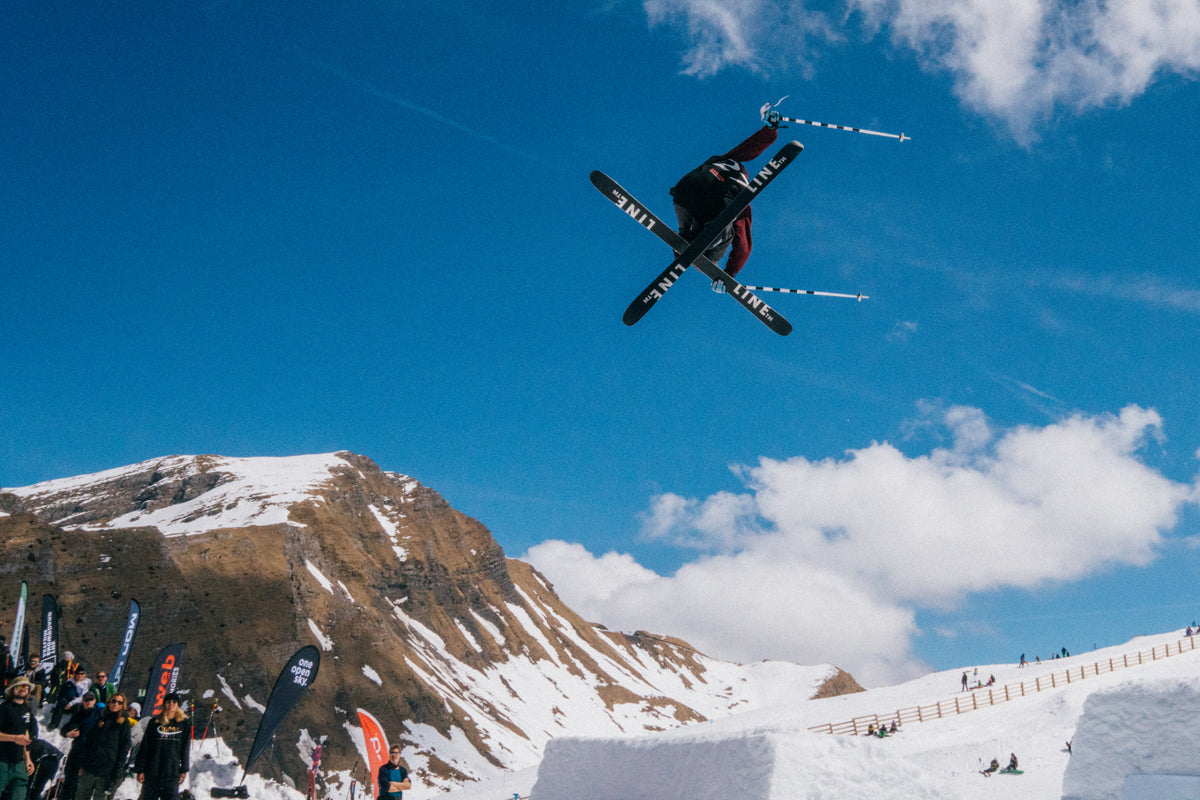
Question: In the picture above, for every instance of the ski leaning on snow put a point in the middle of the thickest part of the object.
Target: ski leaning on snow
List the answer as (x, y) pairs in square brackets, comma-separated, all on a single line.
[(638, 308), (648, 220)]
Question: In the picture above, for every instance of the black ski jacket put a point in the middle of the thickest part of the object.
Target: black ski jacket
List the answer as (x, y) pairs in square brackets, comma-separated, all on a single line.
[(106, 747), (165, 750)]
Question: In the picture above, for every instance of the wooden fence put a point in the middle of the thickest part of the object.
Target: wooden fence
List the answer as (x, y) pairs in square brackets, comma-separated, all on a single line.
[(994, 695)]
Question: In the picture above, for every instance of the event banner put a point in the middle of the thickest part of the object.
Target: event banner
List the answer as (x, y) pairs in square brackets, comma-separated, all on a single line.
[(297, 675), (135, 614), (14, 646), (164, 675), (377, 745), (49, 632)]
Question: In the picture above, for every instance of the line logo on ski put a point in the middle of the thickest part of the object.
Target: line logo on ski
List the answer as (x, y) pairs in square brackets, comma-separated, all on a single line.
[(630, 206)]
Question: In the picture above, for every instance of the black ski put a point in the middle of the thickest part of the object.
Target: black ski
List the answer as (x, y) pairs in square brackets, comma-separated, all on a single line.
[(647, 219), (712, 231)]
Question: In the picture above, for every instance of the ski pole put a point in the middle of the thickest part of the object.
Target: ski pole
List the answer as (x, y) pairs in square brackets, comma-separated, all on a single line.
[(769, 106), (859, 297), (899, 136)]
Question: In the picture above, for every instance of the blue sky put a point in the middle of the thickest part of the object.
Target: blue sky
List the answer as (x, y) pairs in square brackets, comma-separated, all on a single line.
[(258, 229)]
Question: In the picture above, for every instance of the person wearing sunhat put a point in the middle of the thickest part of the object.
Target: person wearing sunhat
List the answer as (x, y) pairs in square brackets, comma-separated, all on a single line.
[(18, 729)]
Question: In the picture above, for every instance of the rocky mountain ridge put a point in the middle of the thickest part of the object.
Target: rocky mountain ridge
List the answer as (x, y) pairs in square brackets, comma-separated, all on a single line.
[(467, 657)]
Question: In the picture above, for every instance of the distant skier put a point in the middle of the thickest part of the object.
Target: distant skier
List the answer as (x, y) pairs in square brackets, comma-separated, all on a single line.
[(992, 768), (702, 194)]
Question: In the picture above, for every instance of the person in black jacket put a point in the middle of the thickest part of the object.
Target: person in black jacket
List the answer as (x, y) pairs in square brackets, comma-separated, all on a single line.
[(163, 757), (77, 728), (104, 752)]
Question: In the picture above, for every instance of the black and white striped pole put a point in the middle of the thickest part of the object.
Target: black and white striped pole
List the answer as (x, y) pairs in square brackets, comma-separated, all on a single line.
[(859, 297), (775, 118)]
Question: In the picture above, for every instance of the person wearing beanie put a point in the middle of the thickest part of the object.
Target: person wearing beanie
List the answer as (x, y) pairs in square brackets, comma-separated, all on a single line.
[(163, 759), (62, 686)]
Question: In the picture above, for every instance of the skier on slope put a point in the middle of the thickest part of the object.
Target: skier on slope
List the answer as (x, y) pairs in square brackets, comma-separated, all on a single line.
[(704, 192)]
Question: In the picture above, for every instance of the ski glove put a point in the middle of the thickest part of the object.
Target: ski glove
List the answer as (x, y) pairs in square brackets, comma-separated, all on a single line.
[(773, 118)]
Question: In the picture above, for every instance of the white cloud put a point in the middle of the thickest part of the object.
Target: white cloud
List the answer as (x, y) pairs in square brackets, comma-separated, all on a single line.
[(902, 331), (719, 31), (829, 561), (751, 34), (1016, 60), (589, 578), (1020, 59)]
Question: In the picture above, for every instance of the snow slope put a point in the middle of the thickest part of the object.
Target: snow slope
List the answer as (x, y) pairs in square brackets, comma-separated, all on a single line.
[(1133, 730), (1135, 721)]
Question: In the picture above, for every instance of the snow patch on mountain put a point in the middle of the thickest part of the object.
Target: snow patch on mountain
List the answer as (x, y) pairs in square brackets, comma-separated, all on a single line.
[(326, 584), (251, 492), (325, 641)]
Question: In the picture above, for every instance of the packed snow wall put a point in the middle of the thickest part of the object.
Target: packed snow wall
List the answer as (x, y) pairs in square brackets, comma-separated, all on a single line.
[(1145, 729), (757, 765)]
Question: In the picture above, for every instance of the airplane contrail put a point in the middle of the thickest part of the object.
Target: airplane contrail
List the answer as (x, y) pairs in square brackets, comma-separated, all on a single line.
[(408, 105)]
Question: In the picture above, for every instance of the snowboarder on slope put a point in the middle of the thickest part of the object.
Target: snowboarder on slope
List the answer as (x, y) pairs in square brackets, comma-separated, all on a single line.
[(704, 192)]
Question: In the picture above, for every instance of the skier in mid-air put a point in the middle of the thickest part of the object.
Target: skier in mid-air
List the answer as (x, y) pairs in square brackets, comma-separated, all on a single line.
[(703, 193)]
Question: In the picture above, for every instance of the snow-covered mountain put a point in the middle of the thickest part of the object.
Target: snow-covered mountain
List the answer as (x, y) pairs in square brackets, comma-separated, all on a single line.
[(467, 657)]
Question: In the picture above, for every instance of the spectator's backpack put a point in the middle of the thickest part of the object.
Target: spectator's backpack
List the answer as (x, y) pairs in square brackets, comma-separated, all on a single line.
[(706, 190)]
